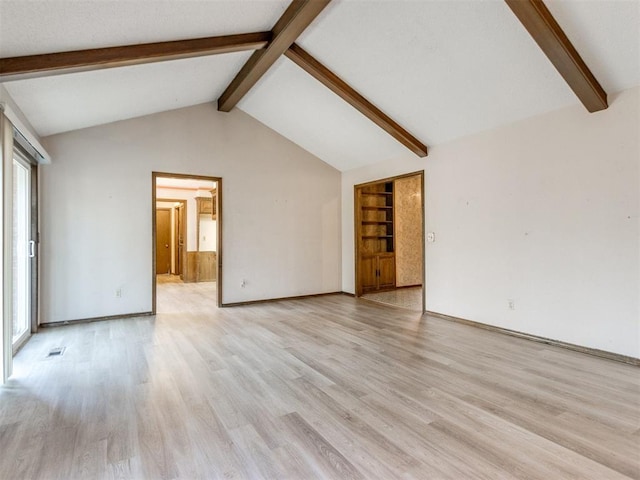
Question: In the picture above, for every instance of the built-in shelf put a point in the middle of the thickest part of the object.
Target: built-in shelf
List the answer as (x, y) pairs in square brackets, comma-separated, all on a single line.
[(375, 237)]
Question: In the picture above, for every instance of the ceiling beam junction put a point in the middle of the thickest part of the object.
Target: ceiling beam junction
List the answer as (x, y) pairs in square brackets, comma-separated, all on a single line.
[(32, 66), (338, 86), (296, 18), (538, 21)]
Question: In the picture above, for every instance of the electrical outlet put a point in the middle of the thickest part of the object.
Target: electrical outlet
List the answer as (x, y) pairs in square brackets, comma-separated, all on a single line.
[(118, 292), (243, 283), (512, 304)]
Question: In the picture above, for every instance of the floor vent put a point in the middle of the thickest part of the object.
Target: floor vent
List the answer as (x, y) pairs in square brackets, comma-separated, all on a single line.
[(56, 352)]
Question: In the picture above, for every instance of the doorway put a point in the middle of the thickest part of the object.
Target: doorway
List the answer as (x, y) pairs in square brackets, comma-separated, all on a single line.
[(389, 241), (187, 235)]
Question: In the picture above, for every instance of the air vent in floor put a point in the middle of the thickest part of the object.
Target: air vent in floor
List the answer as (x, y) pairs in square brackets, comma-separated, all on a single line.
[(56, 352)]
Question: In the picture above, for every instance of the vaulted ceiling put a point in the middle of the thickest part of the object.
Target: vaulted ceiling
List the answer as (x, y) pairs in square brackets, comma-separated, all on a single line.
[(441, 69)]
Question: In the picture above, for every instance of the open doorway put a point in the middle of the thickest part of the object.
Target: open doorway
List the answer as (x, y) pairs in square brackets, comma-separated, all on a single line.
[(389, 223), (187, 236)]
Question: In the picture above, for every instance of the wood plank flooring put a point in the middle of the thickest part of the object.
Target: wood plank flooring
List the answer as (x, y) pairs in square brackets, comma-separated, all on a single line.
[(329, 388), (409, 298)]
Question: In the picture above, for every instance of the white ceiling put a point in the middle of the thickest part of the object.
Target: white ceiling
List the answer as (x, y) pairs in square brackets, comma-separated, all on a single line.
[(294, 104), (442, 69), (70, 102), (43, 26)]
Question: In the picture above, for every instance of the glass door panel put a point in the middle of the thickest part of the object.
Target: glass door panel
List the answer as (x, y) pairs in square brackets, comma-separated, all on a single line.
[(21, 252)]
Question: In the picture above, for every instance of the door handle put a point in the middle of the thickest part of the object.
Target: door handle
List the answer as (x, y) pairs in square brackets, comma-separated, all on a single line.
[(166, 245), (32, 248)]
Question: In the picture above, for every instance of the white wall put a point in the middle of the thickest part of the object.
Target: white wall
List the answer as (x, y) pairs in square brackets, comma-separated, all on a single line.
[(281, 209), (544, 212), (207, 241)]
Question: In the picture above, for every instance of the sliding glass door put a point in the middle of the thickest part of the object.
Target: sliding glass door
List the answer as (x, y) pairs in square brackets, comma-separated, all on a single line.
[(23, 251)]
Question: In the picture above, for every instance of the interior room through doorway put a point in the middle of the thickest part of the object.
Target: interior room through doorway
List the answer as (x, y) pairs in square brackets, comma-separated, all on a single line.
[(186, 236), (389, 219)]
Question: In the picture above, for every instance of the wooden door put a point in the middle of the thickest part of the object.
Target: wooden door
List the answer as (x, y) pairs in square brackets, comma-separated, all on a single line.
[(368, 277), (163, 240), (386, 271)]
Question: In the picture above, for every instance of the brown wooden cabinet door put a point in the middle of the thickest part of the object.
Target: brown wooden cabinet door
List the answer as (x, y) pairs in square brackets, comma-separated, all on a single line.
[(368, 277), (386, 271)]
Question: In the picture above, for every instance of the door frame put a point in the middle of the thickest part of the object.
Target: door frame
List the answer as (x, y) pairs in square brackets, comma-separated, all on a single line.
[(218, 180), (423, 239)]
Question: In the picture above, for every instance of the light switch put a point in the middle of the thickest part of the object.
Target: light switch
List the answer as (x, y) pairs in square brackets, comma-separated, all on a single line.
[(431, 237)]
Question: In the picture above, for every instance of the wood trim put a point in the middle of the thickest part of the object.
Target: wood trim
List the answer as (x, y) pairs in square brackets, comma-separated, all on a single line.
[(538, 21), (32, 66), (535, 338), (153, 242), (338, 86), (219, 240), (191, 267), (95, 319), (357, 240), (296, 18), (424, 243), (281, 299), (218, 180), (390, 179)]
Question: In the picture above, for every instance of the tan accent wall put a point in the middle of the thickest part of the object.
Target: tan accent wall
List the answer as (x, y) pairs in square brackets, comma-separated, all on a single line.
[(408, 225)]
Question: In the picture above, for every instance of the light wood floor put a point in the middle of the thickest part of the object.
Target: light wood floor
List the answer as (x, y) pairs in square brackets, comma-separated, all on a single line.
[(332, 387), (409, 298), (166, 278)]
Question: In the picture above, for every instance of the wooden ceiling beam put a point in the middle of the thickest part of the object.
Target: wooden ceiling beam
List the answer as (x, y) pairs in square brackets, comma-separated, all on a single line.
[(287, 29), (538, 21), (16, 68), (338, 86)]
